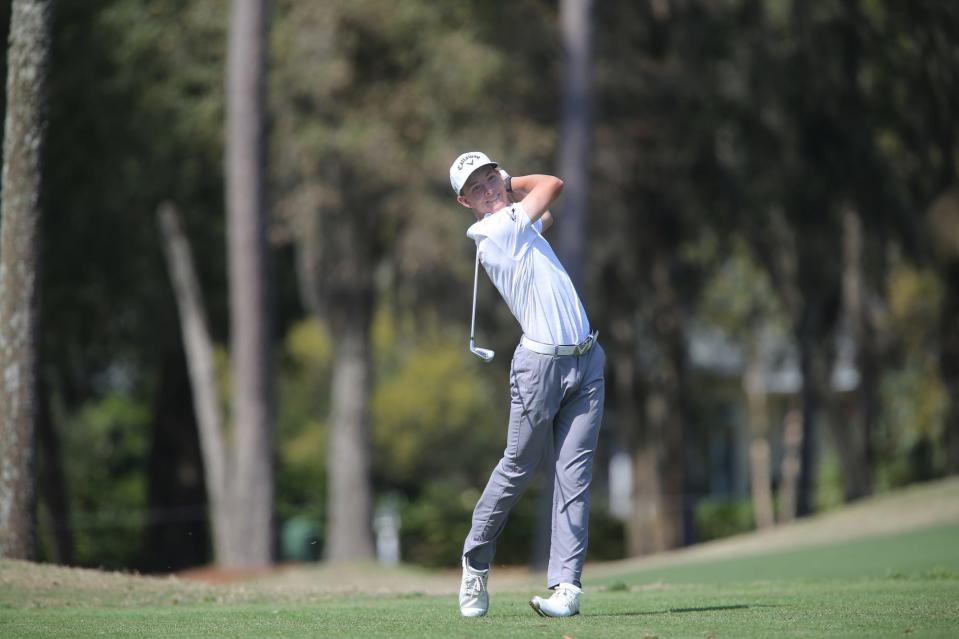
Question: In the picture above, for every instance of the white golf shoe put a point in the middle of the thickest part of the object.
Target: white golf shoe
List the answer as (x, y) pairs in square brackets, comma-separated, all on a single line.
[(474, 598), (563, 603)]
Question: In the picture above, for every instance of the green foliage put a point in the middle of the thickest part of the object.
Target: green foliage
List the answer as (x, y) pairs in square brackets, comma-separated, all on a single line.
[(717, 517), (607, 535), (915, 299), (435, 524), (302, 406), (913, 396), (738, 294), (914, 406), (829, 487), (106, 446), (437, 429), (135, 118), (436, 416), (373, 99)]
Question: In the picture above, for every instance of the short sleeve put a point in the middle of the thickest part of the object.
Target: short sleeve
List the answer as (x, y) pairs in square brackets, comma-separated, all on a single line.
[(510, 228)]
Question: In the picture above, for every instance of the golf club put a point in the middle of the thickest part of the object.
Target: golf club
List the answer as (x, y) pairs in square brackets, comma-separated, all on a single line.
[(484, 354)]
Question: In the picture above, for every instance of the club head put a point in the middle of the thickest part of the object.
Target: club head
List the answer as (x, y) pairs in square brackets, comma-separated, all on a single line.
[(484, 354)]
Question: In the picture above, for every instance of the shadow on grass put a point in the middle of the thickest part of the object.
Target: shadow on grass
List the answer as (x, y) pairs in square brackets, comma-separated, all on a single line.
[(683, 610)]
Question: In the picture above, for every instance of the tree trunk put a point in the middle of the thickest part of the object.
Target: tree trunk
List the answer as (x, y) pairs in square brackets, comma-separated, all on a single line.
[(643, 536), (791, 465), (198, 347), (851, 432), (576, 26), (350, 495), (250, 339), (644, 530), (647, 418), (760, 477), (661, 470), (27, 58), (663, 411), (814, 375)]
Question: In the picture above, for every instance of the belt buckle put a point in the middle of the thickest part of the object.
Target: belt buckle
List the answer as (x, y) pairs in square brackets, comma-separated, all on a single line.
[(584, 346)]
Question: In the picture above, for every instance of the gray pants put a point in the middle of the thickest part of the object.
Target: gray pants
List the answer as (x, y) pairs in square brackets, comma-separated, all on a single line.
[(556, 408)]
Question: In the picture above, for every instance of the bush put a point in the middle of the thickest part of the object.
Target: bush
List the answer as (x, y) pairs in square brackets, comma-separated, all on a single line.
[(607, 536), (722, 517), (434, 526)]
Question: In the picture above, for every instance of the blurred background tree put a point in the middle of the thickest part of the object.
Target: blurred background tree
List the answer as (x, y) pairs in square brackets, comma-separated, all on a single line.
[(772, 197)]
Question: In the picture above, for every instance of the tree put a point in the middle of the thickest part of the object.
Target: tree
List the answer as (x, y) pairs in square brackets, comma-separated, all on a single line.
[(798, 103), (348, 298), (656, 175), (922, 138), (738, 300), (198, 347), (576, 23), (24, 134), (362, 152), (107, 306), (251, 503), (338, 249), (575, 17)]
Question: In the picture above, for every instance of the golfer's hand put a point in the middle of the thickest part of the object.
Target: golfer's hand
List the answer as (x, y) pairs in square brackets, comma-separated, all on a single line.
[(510, 195)]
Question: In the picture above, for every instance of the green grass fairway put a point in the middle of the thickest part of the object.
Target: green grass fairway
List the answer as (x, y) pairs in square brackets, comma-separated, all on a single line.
[(847, 608), (932, 551), (918, 606), (902, 584)]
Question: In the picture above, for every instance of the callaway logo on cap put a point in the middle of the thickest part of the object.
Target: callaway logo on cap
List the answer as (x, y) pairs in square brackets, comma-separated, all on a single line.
[(464, 166)]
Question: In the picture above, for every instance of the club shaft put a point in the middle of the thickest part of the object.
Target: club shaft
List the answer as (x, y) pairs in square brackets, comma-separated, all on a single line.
[(475, 282)]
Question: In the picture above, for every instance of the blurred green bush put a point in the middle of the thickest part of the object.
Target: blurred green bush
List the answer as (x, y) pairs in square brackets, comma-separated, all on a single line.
[(717, 517)]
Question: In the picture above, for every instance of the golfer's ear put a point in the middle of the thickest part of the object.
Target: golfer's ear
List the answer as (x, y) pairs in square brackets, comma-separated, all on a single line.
[(462, 200)]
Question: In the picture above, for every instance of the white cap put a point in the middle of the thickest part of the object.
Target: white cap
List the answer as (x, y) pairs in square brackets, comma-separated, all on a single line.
[(464, 166)]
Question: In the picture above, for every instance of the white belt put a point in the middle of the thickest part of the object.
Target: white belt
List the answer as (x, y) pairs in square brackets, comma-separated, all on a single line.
[(562, 349)]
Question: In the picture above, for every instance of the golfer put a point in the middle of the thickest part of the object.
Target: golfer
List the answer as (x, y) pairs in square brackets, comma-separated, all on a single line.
[(556, 380)]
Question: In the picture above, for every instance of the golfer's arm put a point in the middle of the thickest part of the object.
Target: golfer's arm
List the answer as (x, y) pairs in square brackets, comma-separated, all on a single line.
[(537, 193), (546, 218)]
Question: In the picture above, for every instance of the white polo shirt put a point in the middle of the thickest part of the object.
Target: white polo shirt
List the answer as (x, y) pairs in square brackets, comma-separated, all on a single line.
[(529, 276)]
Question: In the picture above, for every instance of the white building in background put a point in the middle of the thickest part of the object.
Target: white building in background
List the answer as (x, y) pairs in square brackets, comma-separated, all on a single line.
[(725, 438)]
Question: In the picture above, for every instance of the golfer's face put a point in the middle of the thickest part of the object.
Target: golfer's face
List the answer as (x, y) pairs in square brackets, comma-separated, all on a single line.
[(485, 190)]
